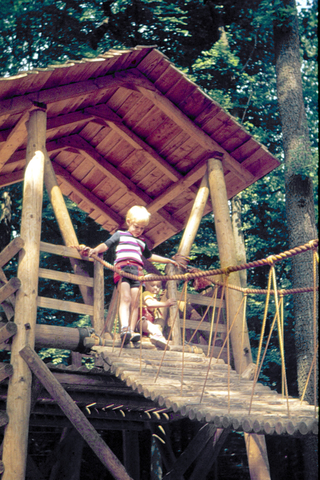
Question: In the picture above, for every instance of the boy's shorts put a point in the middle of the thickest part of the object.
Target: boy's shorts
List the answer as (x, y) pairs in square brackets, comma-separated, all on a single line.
[(129, 268)]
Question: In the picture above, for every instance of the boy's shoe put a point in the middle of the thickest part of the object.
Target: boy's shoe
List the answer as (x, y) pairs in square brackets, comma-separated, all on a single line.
[(135, 337), (125, 335), (159, 341)]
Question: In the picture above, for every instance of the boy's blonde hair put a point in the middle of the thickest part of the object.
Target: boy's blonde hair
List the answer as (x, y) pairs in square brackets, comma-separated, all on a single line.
[(138, 214)]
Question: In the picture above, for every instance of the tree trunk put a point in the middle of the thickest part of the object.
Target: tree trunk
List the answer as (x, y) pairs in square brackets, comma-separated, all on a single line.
[(299, 201), (299, 189)]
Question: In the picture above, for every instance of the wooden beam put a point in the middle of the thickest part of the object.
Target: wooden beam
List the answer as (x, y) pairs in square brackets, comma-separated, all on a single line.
[(194, 219), (65, 306), (79, 144), (19, 389), (173, 112), (86, 195), (115, 122), (11, 250), (9, 303), (192, 451), (98, 298), (74, 414), (17, 136), (9, 288), (257, 456), (239, 339), (5, 370), (7, 330), (11, 178), (21, 103), (210, 454), (177, 188)]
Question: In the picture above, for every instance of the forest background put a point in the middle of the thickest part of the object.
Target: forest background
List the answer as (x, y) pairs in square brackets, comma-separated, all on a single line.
[(228, 49)]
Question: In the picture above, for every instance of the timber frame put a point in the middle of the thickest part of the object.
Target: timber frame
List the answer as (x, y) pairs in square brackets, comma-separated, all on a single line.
[(126, 128)]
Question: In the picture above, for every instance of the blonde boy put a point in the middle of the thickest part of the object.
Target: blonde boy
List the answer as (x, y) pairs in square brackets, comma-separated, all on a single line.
[(130, 248)]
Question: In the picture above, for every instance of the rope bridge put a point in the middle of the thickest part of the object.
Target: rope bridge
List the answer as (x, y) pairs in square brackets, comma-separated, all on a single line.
[(221, 394)]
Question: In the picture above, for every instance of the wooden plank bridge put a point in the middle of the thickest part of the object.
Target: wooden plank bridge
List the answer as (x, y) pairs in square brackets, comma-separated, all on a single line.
[(227, 399)]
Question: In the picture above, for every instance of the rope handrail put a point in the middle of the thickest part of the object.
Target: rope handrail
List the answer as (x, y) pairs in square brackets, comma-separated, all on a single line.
[(312, 245)]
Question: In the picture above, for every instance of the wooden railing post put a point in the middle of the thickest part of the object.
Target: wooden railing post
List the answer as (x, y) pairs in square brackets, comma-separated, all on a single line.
[(186, 242), (19, 390)]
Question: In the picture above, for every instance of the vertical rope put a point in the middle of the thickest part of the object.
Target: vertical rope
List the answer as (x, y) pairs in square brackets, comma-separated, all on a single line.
[(309, 375), (117, 314), (140, 325), (215, 295), (183, 332), (258, 370), (282, 330), (244, 300), (280, 336), (215, 335), (169, 336), (228, 344)]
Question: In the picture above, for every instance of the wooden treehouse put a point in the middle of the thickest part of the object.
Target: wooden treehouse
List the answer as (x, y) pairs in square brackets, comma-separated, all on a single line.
[(126, 128)]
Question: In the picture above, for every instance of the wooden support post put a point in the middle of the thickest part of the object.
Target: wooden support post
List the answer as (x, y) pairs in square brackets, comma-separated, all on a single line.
[(112, 310), (174, 318), (259, 467), (195, 217), (19, 389), (257, 456), (241, 351), (192, 452), (187, 240), (10, 250), (131, 456), (65, 224), (210, 454), (98, 298), (74, 414)]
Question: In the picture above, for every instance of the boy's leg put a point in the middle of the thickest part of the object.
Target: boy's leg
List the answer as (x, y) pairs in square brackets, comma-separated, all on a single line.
[(124, 312), (135, 337)]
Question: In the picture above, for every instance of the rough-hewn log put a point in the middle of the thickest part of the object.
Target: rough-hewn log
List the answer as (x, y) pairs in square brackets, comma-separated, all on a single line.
[(11, 250), (192, 451), (19, 390), (7, 330), (194, 219), (98, 298), (174, 318), (65, 224), (9, 288), (77, 418), (241, 349), (6, 370)]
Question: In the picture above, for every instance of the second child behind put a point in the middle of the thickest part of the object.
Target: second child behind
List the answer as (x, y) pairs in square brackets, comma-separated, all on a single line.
[(130, 248)]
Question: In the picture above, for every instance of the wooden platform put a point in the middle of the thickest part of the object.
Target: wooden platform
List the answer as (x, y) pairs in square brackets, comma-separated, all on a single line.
[(226, 398)]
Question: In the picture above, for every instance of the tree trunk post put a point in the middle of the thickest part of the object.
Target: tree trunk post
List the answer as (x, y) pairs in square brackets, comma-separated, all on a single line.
[(219, 198), (98, 298), (184, 249), (19, 390), (194, 219), (65, 225), (255, 444)]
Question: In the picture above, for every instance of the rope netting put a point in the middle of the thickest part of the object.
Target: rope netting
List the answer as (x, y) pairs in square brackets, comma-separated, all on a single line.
[(278, 319)]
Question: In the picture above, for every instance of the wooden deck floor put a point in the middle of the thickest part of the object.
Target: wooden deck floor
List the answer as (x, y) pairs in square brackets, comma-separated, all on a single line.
[(226, 397)]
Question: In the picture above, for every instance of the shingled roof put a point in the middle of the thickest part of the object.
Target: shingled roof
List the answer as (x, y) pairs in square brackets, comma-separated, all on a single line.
[(127, 128)]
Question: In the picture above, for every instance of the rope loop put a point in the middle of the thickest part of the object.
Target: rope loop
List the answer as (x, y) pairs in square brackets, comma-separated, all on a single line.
[(226, 271), (271, 260)]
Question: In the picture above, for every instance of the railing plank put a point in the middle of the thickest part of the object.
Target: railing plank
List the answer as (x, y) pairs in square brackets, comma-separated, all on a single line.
[(73, 307), (65, 277)]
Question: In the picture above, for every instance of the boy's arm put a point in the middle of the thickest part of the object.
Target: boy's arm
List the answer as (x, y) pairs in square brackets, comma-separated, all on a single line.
[(160, 259), (152, 303), (87, 251)]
